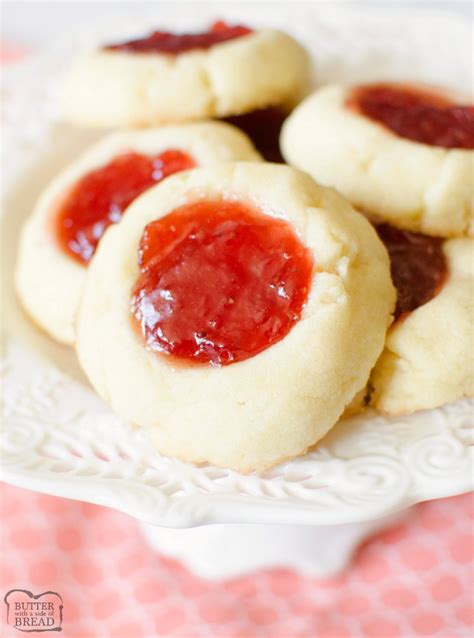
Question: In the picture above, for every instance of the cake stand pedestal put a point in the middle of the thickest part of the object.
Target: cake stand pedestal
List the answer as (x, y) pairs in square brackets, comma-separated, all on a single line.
[(220, 552)]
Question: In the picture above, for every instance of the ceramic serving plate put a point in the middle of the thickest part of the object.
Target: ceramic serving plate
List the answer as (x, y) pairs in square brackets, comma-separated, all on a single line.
[(59, 437)]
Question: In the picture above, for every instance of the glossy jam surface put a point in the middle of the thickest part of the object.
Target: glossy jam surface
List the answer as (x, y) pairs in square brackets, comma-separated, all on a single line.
[(219, 282), (164, 42), (263, 126), (417, 264), (416, 114), (100, 197)]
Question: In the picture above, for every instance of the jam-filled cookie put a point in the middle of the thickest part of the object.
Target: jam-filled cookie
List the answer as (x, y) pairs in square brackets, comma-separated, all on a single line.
[(165, 77), (427, 360), (404, 153), (61, 235), (234, 312)]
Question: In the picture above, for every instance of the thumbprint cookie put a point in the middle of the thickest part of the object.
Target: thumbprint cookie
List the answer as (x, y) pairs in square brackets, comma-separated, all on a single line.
[(427, 360), (165, 77), (61, 235), (401, 152), (234, 313)]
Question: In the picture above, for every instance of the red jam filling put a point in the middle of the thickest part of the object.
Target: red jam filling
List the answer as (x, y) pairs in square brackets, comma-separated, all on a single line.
[(164, 42), (418, 266), (416, 114), (263, 126), (99, 198), (219, 282)]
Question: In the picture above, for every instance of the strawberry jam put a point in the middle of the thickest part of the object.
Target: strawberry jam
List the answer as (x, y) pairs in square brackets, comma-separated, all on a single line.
[(417, 264), (219, 282), (100, 197), (418, 115), (164, 42)]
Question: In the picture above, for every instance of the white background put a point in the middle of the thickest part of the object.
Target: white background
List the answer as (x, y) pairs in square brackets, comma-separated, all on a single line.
[(35, 24)]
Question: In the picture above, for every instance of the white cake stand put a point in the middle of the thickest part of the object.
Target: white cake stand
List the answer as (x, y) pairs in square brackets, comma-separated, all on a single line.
[(58, 437)]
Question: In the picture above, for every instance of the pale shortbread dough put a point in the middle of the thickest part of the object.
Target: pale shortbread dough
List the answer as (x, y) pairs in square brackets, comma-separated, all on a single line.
[(49, 281), (428, 356), (410, 185), (113, 88), (273, 406)]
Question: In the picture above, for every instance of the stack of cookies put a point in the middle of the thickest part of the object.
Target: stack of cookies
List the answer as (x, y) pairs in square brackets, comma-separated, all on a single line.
[(403, 155), (235, 307)]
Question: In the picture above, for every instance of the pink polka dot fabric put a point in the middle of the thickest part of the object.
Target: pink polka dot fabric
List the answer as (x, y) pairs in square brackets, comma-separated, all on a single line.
[(413, 580)]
